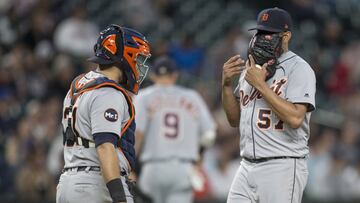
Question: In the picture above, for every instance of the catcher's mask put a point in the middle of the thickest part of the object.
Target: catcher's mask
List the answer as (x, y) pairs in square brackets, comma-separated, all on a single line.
[(128, 49), (265, 47)]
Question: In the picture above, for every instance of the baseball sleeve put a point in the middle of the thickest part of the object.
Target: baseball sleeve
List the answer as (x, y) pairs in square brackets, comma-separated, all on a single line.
[(141, 116), (207, 123), (107, 111), (302, 86)]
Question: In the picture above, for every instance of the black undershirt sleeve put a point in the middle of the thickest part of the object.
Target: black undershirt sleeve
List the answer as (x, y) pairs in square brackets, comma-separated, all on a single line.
[(101, 138)]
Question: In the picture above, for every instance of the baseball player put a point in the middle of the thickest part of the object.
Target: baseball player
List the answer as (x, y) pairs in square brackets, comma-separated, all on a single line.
[(98, 121), (172, 123), (272, 106)]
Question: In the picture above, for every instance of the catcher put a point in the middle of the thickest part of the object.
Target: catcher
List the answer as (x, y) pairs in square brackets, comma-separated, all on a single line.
[(272, 106), (98, 121)]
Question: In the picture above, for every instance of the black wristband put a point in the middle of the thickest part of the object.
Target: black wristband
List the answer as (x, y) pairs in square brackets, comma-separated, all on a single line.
[(116, 190)]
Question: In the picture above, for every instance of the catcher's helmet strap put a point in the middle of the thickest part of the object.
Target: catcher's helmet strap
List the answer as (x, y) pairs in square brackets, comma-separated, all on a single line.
[(76, 91)]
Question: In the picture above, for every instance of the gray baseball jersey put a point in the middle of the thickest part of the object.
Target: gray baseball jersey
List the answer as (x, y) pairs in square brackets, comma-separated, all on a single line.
[(99, 110), (262, 133), (173, 120)]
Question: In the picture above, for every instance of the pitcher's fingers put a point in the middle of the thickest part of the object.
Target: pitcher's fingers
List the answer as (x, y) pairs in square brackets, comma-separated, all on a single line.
[(234, 73), (247, 64), (241, 61), (236, 69), (231, 70), (252, 61), (264, 66), (232, 59), (234, 63)]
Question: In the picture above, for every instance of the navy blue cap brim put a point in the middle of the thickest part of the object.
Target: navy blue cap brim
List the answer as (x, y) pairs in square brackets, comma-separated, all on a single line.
[(264, 28), (163, 70), (99, 60), (164, 65)]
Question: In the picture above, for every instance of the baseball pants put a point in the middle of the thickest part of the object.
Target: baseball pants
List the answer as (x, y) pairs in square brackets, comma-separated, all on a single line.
[(277, 180), (85, 187), (167, 181)]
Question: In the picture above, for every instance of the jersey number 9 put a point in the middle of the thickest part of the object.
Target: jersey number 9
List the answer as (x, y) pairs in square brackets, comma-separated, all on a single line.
[(171, 124)]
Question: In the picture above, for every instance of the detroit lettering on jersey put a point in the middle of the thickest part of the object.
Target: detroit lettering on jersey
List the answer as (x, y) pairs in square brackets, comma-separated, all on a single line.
[(183, 103), (262, 133), (277, 87)]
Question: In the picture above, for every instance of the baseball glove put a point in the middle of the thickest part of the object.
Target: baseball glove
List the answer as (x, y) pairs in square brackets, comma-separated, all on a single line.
[(266, 48), (139, 196)]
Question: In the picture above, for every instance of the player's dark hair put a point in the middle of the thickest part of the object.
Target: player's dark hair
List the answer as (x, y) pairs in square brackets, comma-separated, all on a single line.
[(123, 80), (105, 66)]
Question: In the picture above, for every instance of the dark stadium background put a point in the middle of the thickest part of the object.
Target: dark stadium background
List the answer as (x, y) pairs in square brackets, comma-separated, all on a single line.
[(44, 44)]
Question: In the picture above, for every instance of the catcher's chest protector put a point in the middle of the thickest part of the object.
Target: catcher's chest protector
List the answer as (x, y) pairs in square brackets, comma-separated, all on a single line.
[(127, 138)]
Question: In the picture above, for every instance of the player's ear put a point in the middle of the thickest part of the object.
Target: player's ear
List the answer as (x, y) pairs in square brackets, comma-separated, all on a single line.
[(286, 36)]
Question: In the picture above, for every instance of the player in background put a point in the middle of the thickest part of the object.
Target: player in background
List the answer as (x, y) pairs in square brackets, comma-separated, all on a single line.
[(173, 122), (98, 121), (272, 106)]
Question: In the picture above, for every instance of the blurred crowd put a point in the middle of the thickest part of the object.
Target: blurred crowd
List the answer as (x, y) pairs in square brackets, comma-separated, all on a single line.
[(44, 45)]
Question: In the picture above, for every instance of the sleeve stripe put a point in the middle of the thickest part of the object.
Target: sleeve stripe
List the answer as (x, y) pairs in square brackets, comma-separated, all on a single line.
[(104, 137)]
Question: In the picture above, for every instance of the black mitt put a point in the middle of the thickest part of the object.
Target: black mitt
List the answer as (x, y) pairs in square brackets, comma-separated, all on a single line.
[(139, 196), (266, 48)]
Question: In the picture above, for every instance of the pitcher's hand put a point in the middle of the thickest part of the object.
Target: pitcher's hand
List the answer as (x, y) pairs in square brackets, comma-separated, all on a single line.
[(232, 67)]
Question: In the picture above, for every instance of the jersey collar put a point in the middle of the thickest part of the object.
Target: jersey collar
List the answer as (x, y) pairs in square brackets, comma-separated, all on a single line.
[(285, 56)]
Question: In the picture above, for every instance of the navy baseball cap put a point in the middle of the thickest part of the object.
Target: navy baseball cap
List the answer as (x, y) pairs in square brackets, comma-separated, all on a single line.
[(164, 65), (273, 20)]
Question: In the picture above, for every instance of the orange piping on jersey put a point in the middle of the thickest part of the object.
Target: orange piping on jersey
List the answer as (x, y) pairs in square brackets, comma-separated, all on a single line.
[(77, 85), (128, 98), (76, 80)]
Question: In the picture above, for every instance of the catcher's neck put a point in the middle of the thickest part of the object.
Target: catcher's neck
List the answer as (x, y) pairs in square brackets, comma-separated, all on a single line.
[(113, 73)]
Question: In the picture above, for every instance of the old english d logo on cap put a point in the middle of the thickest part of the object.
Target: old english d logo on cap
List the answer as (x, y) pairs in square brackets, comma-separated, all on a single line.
[(273, 20)]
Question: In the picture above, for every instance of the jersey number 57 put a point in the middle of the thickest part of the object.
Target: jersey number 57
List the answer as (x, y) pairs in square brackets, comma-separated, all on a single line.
[(265, 122)]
